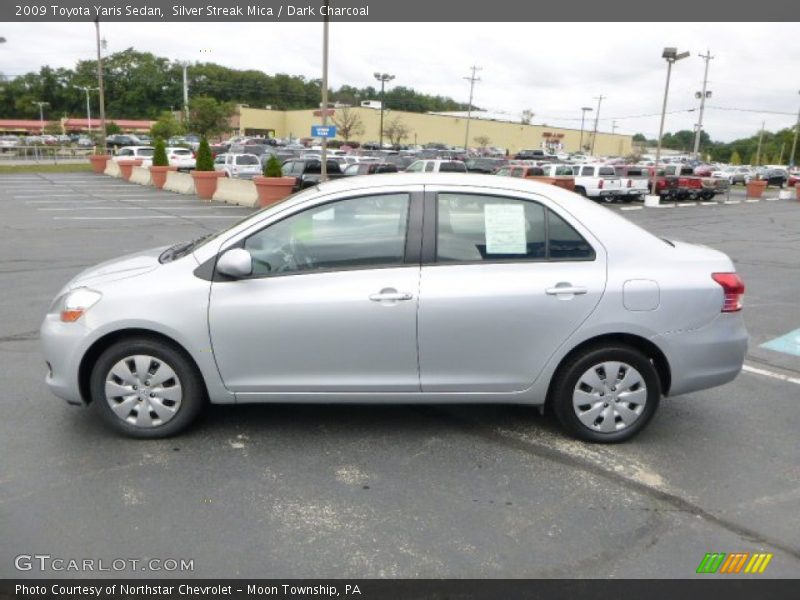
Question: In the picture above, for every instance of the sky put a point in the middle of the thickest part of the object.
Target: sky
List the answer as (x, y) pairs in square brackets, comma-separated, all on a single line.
[(553, 69)]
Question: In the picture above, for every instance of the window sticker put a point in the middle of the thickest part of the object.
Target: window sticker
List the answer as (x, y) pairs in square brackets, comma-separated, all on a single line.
[(505, 229)]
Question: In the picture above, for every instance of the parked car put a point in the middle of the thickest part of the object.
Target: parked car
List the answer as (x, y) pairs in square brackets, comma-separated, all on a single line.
[(119, 140), (145, 153), (84, 142), (182, 158), (437, 166), (599, 182), (635, 182), (238, 166), (776, 177), (534, 155), (308, 171), (484, 165), (9, 141), (520, 171), (369, 169), (579, 309)]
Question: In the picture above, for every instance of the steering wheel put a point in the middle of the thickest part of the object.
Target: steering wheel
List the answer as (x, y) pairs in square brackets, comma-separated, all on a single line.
[(300, 254)]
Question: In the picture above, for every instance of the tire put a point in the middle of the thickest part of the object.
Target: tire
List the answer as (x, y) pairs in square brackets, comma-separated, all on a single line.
[(603, 413), (581, 191), (174, 396)]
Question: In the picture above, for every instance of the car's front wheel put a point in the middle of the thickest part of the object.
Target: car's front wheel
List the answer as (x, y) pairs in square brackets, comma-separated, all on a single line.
[(145, 388), (606, 394)]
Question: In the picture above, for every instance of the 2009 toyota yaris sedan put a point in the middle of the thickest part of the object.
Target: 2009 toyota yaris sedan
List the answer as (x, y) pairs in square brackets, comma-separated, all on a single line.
[(411, 288)]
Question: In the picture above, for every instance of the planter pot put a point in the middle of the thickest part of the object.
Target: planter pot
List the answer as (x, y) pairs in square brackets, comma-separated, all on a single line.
[(273, 189), (126, 166), (755, 188), (159, 175), (651, 201), (99, 162), (797, 190), (205, 183)]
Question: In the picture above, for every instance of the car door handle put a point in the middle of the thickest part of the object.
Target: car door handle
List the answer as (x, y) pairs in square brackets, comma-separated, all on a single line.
[(390, 295), (566, 289)]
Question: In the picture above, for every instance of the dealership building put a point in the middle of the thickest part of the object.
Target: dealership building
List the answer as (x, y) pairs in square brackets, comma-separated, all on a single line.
[(424, 128)]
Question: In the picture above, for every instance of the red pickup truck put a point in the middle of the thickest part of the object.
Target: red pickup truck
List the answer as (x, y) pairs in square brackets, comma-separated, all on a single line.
[(694, 187), (666, 185)]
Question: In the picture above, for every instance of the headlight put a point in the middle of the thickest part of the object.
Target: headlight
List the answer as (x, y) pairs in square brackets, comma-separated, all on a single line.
[(73, 304)]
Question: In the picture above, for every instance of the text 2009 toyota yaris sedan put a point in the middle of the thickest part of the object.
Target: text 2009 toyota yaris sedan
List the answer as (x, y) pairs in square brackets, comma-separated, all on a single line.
[(409, 288)]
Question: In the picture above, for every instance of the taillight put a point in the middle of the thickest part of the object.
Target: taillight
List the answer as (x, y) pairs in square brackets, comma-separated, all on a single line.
[(630, 183), (600, 186), (733, 289)]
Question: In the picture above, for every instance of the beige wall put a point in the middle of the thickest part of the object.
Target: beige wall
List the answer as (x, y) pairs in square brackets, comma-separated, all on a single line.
[(425, 128)]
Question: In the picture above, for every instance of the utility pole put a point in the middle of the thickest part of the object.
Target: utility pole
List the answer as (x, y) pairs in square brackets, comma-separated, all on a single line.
[(794, 141), (41, 106), (613, 127), (672, 56), (758, 150), (703, 95), (324, 166), (584, 110), (185, 66), (88, 90), (599, 99), (101, 88), (472, 79)]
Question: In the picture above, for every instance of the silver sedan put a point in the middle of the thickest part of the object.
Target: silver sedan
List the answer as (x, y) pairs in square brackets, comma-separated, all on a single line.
[(414, 288)]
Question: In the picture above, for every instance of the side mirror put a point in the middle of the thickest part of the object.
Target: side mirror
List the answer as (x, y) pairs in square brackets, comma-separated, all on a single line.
[(235, 263)]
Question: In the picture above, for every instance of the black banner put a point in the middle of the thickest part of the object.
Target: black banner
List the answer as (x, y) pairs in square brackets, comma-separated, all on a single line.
[(384, 10), (428, 589)]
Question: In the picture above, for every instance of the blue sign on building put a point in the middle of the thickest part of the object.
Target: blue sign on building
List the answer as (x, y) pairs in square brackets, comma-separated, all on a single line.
[(323, 131)]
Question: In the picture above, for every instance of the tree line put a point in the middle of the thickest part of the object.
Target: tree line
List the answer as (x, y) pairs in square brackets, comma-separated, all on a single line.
[(141, 85), (775, 146)]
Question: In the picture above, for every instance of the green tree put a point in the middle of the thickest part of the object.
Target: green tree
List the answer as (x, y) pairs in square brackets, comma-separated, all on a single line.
[(208, 117), (160, 154), (735, 158), (205, 161), (53, 128), (112, 128), (272, 168), (166, 126)]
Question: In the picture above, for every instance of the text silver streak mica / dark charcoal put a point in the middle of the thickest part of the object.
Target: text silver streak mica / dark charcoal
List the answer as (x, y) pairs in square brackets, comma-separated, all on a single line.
[(426, 288)]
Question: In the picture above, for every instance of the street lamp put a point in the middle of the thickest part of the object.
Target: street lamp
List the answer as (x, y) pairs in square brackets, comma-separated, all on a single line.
[(672, 56), (584, 110), (41, 106), (88, 90), (383, 78), (101, 87), (794, 141)]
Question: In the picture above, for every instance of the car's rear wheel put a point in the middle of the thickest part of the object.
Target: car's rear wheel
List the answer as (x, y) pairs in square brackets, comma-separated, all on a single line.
[(606, 394), (146, 388)]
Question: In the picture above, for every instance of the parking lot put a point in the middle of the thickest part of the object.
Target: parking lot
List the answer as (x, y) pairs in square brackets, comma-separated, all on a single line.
[(392, 491)]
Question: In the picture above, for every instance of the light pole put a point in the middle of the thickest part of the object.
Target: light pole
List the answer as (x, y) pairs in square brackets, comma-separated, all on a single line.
[(383, 78), (472, 79), (599, 99), (671, 56), (88, 90), (701, 95), (41, 106), (324, 165), (794, 141), (584, 110), (101, 88)]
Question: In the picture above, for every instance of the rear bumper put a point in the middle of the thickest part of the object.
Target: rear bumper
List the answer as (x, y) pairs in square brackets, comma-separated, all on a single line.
[(707, 357)]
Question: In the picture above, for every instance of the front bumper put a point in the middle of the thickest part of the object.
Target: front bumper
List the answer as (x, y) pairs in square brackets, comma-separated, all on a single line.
[(707, 357), (63, 345)]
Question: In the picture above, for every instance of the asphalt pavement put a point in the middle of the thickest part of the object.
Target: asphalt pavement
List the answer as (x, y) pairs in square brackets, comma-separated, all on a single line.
[(390, 491)]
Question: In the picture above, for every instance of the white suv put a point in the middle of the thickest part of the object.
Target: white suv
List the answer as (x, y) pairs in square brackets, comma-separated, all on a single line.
[(238, 166)]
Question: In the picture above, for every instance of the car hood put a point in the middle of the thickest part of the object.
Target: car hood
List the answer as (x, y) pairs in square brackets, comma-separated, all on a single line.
[(130, 265)]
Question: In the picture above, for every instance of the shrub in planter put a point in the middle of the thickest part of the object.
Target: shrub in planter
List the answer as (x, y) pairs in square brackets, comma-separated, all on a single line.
[(158, 172), (205, 177), (273, 186)]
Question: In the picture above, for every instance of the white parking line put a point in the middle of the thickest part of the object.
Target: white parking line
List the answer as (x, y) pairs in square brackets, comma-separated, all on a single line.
[(687, 204), (770, 199), (752, 200), (773, 374), (732, 202), (631, 207), (709, 203)]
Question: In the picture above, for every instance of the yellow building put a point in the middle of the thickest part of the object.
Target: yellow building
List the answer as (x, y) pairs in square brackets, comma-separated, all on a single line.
[(425, 127)]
